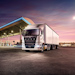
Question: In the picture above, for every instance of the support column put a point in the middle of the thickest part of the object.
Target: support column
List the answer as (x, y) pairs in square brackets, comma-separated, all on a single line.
[(8, 40), (5, 40), (20, 36), (1, 40)]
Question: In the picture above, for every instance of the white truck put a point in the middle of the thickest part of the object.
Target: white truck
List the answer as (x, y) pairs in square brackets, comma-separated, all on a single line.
[(39, 37)]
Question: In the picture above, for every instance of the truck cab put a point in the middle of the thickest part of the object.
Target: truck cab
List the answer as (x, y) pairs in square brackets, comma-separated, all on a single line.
[(31, 38)]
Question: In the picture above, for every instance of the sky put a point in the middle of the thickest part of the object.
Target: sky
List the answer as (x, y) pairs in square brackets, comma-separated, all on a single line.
[(58, 14)]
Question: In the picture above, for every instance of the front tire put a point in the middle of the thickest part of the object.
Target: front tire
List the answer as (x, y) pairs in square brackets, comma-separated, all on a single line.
[(43, 48)]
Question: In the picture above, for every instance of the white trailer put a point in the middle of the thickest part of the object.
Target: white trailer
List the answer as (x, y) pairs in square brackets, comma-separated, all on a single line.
[(39, 37)]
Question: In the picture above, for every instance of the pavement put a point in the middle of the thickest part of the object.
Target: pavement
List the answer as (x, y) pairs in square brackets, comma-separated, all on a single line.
[(14, 61), (12, 46)]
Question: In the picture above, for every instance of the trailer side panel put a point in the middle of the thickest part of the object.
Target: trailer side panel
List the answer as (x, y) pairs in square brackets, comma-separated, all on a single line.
[(48, 35)]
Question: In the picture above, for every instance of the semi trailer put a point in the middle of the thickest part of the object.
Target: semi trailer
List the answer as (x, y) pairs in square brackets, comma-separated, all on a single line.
[(39, 37)]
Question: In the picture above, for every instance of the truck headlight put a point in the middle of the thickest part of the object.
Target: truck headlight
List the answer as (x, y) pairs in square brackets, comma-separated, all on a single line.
[(38, 46)]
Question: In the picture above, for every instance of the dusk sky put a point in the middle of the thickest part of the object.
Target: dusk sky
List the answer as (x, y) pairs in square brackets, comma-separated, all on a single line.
[(58, 14)]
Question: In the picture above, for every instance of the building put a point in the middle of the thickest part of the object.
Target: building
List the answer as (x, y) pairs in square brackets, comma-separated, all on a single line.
[(69, 44)]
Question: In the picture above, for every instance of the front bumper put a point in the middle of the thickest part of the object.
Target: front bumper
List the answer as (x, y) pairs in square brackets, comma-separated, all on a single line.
[(32, 49)]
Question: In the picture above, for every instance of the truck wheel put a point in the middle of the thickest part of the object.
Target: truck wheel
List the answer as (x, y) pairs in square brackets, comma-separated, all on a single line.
[(48, 47), (56, 46), (51, 48), (43, 49)]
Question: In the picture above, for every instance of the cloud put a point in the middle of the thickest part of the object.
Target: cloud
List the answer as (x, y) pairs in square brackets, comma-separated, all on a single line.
[(56, 13)]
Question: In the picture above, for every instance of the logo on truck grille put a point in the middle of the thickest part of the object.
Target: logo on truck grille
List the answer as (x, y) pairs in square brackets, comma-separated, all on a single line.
[(30, 41)]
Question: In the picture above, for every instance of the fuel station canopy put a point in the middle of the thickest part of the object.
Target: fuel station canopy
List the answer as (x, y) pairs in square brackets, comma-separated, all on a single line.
[(14, 27)]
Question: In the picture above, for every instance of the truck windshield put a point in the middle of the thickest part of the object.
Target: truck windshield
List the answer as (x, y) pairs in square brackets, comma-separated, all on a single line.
[(31, 32)]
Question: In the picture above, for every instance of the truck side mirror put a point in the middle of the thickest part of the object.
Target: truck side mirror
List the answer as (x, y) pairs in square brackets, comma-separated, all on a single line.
[(41, 32)]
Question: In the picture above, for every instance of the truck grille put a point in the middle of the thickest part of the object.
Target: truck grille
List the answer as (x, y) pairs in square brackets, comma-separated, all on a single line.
[(30, 42)]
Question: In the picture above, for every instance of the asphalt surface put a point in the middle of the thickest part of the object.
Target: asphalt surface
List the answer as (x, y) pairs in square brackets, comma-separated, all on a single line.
[(54, 62)]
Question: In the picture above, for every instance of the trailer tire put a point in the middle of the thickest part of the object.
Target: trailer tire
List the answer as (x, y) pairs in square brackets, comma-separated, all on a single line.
[(51, 47), (48, 47), (56, 46)]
